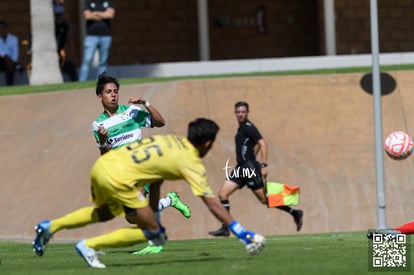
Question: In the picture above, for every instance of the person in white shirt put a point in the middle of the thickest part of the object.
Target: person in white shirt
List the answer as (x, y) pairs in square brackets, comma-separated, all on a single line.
[(9, 52)]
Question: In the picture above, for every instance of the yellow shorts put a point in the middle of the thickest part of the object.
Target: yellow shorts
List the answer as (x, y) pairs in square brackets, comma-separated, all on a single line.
[(114, 195)]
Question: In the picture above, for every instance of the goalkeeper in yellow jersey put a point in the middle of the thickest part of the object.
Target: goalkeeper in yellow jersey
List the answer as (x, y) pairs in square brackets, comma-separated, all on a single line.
[(116, 180)]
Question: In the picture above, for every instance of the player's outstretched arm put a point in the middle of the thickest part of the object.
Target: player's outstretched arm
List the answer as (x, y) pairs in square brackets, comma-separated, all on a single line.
[(218, 210), (254, 243)]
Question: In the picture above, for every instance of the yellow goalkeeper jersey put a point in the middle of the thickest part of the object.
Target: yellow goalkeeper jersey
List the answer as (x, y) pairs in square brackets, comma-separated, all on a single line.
[(167, 157)]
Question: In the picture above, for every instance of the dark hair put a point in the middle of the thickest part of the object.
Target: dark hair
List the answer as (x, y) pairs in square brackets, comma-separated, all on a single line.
[(104, 79), (241, 103), (202, 130)]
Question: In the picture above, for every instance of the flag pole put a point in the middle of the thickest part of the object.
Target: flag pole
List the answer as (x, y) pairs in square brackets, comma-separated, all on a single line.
[(379, 153)]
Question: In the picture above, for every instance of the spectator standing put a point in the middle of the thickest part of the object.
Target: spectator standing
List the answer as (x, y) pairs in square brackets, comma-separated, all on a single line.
[(98, 15), (63, 43), (9, 52)]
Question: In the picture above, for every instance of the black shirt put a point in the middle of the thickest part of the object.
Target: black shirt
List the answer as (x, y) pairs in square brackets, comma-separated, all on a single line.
[(246, 138), (61, 33), (102, 27)]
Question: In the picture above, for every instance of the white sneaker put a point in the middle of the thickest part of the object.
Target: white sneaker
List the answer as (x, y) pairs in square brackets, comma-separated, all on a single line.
[(89, 255), (257, 245)]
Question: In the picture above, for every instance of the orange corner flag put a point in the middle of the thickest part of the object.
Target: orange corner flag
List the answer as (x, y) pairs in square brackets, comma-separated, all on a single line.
[(279, 194)]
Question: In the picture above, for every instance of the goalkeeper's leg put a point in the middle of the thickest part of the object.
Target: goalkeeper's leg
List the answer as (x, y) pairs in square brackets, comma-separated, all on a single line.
[(78, 218)]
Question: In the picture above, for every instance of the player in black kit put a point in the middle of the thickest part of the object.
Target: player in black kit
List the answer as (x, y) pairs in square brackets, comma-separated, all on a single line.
[(249, 171)]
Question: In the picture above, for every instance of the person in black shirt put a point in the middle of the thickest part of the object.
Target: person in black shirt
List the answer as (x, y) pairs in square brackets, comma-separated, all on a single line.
[(249, 171), (98, 15), (62, 41)]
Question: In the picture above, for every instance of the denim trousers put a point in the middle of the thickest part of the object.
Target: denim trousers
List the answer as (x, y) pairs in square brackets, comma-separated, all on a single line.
[(90, 45)]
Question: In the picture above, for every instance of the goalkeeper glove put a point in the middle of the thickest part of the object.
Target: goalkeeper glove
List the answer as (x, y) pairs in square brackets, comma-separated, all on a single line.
[(244, 236), (254, 243)]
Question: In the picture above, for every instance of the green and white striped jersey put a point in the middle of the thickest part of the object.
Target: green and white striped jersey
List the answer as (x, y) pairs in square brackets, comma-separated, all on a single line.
[(124, 127)]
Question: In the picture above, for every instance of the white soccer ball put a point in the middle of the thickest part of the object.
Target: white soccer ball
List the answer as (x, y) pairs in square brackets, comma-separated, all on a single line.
[(398, 145), (257, 244)]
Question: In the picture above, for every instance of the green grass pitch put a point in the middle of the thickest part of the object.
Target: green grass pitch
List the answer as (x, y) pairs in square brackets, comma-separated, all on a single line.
[(327, 253), (310, 254)]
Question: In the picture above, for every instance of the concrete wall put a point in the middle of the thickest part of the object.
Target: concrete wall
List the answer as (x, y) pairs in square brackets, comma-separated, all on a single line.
[(319, 129), (159, 31)]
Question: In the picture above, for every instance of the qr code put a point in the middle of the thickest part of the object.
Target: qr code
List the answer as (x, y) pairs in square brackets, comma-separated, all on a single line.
[(389, 251)]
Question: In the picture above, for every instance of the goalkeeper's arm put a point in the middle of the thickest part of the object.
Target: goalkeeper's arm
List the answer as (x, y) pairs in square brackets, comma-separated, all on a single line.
[(254, 242)]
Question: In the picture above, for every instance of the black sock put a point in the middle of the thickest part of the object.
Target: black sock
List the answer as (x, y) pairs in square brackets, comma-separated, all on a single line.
[(226, 204), (286, 209)]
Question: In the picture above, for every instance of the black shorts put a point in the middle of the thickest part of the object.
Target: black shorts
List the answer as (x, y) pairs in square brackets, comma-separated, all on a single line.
[(247, 173)]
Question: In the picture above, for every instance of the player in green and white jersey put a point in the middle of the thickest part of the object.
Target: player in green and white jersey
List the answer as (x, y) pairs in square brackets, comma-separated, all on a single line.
[(117, 125), (121, 124)]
